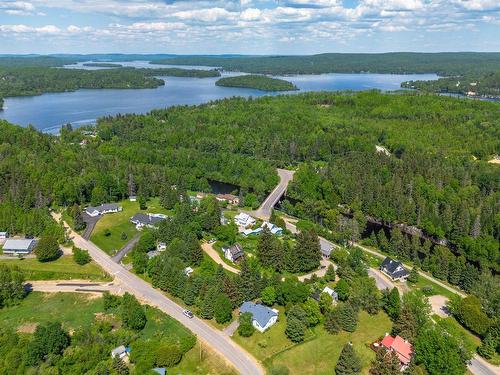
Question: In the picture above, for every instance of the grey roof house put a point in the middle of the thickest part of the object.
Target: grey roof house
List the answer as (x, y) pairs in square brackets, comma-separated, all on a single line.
[(102, 209), (394, 269), (234, 252), (263, 317), (19, 246), (146, 220)]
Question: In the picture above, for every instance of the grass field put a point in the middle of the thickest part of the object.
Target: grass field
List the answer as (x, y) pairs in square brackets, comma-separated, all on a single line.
[(78, 310), (320, 350), (119, 223), (63, 268)]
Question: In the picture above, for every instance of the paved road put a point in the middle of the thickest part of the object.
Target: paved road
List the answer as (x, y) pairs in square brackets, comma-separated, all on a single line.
[(91, 222), (381, 281), (214, 254), (240, 359), (264, 211), (126, 249)]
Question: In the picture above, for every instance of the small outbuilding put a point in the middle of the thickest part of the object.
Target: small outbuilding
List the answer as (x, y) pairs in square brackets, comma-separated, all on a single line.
[(234, 252), (4, 235)]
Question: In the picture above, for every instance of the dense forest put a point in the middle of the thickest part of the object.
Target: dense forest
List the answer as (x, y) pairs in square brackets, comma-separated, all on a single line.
[(445, 64), (444, 187), (258, 82), (487, 84), (177, 72)]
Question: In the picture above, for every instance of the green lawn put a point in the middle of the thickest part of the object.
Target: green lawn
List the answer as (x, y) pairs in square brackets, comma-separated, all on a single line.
[(437, 289), (119, 223), (78, 310), (73, 309), (63, 268), (320, 350)]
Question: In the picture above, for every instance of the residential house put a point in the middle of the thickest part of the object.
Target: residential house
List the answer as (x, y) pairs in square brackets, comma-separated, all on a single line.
[(274, 229), (400, 346), (249, 231), (326, 249), (19, 246), (394, 269), (234, 252), (263, 317), (121, 351), (147, 220), (244, 220), (229, 198), (4, 235), (316, 295), (332, 293), (188, 271), (103, 209)]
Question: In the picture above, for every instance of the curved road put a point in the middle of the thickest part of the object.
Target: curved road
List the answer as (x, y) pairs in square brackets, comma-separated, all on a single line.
[(242, 361), (264, 211)]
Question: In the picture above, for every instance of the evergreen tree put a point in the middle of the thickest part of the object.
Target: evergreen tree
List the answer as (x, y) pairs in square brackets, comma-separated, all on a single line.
[(332, 322), (383, 242), (348, 317), (295, 329), (308, 250), (208, 305), (248, 281), (396, 243), (325, 303), (119, 366), (194, 250), (223, 309), (291, 258), (270, 251), (330, 273), (11, 285), (413, 276), (78, 221), (457, 267), (488, 346), (313, 312), (230, 290), (392, 303), (348, 362), (210, 213), (469, 277), (169, 197), (385, 363)]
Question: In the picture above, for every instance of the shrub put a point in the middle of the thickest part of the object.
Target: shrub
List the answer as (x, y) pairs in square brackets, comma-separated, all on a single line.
[(80, 256), (246, 328), (47, 249)]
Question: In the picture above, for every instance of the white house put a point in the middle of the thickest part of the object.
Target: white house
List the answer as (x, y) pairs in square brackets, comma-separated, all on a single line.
[(233, 253), (103, 209), (249, 231), (274, 229), (4, 235), (19, 246), (244, 220), (332, 293), (262, 316), (121, 352), (147, 220)]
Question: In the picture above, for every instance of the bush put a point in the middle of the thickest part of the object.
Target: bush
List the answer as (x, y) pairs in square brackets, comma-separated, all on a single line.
[(110, 301), (223, 310), (80, 256), (123, 236), (132, 313), (107, 232), (246, 328), (428, 290), (47, 249), (48, 339), (168, 355)]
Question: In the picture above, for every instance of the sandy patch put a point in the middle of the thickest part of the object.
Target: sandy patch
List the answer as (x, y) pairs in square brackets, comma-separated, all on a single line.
[(27, 328), (494, 161), (438, 305)]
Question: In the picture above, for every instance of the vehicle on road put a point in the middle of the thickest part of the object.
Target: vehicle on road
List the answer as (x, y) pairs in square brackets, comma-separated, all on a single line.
[(188, 313)]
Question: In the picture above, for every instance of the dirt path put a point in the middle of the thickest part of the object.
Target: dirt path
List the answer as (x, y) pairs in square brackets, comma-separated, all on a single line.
[(214, 254)]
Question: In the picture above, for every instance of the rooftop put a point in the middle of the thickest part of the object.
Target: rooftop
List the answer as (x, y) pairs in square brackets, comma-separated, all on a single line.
[(262, 314), (18, 244)]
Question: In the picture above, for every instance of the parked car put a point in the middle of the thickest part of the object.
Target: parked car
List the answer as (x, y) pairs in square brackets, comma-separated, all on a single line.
[(188, 313)]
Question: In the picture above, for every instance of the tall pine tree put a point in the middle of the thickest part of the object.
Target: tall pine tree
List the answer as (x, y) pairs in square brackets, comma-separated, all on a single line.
[(348, 362)]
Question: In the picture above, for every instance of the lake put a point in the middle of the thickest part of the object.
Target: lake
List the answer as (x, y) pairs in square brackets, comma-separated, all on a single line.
[(48, 112)]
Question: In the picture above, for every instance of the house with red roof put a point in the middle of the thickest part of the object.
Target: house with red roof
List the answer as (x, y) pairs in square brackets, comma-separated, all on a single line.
[(400, 346)]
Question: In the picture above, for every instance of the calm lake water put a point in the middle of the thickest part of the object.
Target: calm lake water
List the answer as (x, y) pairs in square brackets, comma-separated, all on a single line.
[(48, 112)]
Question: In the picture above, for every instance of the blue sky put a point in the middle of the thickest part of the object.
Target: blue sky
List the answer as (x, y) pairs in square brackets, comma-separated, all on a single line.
[(248, 26)]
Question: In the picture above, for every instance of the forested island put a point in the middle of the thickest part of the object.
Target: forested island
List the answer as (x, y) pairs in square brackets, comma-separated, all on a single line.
[(178, 72), (258, 82), (482, 85), (102, 65), (38, 80), (444, 64)]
